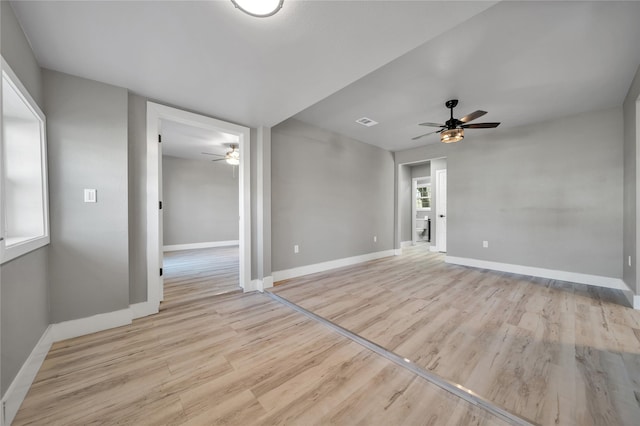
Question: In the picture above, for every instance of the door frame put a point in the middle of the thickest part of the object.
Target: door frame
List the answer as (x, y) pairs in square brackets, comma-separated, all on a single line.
[(441, 225), (156, 113)]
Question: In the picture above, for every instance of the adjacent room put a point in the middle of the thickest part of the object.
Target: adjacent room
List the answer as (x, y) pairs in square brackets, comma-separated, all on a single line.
[(320, 212)]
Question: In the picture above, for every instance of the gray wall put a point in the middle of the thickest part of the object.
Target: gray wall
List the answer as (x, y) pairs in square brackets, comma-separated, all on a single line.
[(25, 310), (406, 200), (330, 195), (87, 136), (630, 223), (24, 287), (421, 170), (547, 195), (200, 201), (137, 198)]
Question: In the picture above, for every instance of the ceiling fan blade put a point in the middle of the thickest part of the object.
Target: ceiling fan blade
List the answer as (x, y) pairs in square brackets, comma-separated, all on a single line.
[(219, 159), (480, 126), (432, 124), (211, 153), (467, 118), (426, 134)]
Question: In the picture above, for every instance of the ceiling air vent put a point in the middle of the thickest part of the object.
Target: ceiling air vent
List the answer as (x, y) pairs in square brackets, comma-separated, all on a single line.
[(366, 122)]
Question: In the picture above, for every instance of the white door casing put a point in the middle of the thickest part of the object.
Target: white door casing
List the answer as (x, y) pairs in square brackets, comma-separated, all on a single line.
[(155, 114), (441, 210)]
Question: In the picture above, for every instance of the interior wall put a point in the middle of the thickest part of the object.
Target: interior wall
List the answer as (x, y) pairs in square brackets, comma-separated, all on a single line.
[(631, 186), (406, 198), (24, 310), (137, 165), (546, 195), (89, 252), (330, 196), (200, 201), (421, 170)]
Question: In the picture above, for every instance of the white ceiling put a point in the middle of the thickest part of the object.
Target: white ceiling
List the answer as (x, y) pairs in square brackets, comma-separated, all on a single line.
[(329, 62), (210, 57), (183, 141), (523, 62)]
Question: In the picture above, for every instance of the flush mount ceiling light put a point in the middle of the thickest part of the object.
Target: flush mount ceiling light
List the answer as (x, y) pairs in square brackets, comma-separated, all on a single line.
[(259, 8)]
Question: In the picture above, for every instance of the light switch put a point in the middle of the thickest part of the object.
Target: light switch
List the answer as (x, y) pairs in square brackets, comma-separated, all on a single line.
[(90, 196)]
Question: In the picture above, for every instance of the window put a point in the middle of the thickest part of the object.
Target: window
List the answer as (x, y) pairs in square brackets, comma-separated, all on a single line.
[(423, 196), (25, 220)]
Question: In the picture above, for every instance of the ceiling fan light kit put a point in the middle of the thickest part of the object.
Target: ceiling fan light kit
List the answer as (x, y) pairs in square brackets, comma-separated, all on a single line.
[(453, 129), (259, 8), (452, 135), (233, 156)]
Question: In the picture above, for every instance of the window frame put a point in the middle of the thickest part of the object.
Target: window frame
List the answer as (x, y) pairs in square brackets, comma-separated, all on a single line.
[(8, 253), (423, 185)]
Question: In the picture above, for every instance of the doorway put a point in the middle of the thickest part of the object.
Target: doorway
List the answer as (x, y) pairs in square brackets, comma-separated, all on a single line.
[(199, 215), (157, 115)]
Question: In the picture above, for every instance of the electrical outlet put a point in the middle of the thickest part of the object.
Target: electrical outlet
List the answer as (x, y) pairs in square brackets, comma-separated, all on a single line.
[(296, 249), (375, 238), (485, 244)]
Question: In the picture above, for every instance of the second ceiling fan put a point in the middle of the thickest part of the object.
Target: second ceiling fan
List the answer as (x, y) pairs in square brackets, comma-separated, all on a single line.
[(232, 157), (453, 129)]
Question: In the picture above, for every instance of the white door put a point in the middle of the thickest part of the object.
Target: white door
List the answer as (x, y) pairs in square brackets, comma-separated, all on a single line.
[(441, 210), (160, 217)]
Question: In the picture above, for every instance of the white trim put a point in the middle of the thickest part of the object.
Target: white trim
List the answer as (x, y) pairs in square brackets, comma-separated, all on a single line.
[(433, 249), (143, 309), (83, 326), (31, 243), (397, 252), (332, 264), (20, 385), (253, 286), (267, 282), (574, 277), (636, 302), (191, 246), (156, 113), (404, 244)]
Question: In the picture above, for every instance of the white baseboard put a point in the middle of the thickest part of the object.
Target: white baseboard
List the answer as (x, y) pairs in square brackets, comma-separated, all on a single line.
[(143, 309), (20, 385), (176, 247), (397, 252), (260, 284), (332, 264), (253, 286), (82, 326), (574, 277), (404, 244), (634, 299), (267, 282)]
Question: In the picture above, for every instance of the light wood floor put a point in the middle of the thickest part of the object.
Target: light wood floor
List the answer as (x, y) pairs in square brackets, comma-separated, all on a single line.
[(195, 274), (236, 359), (554, 352)]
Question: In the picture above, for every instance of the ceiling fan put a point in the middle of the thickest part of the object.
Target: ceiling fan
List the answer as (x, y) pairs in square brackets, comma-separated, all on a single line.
[(453, 129), (232, 157)]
